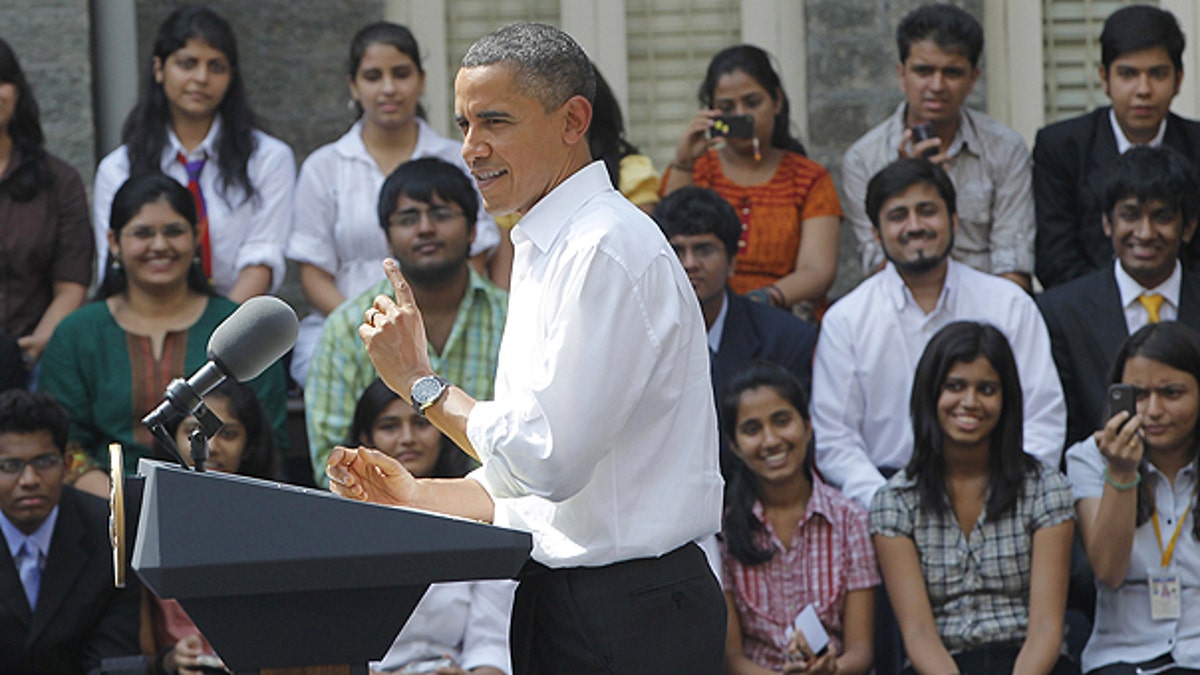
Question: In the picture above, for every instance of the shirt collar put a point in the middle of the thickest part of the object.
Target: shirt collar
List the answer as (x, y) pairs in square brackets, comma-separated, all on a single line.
[(1124, 144), (40, 537), (818, 503), (897, 291), (207, 147), (1130, 289), (543, 223), (718, 327)]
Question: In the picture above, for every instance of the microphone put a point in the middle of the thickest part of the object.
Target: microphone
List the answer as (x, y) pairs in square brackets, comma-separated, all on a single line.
[(245, 344)]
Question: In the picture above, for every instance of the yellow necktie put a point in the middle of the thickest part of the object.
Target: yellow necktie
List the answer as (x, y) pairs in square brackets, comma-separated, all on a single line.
[(1152, 302)]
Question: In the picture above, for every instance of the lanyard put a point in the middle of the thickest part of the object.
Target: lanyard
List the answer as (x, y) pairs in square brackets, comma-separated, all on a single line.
[(1170, 551)]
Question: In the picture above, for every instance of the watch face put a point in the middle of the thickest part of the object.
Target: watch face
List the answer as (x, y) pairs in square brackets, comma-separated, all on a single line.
[(427, 390)]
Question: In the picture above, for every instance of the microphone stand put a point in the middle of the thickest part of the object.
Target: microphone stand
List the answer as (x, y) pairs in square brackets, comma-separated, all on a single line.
[(209, 425)]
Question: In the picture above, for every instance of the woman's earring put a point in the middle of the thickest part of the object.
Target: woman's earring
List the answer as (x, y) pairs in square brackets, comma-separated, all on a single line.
[(116, 264), (757, 151), (351, 104)]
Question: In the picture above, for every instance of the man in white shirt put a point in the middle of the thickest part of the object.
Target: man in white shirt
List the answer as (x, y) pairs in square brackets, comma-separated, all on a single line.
[(1151, 205), (873, 337), (602, 439), (1141, 55)]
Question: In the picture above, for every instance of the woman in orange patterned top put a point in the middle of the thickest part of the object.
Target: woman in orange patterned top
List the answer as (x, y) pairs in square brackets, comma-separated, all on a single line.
[(787, 202)]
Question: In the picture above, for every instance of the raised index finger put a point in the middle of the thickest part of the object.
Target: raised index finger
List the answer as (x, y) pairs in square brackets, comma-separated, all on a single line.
[(399, 283)]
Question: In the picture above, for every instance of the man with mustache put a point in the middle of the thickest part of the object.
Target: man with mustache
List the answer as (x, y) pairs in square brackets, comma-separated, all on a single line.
[(1141, 54), (939, 47), (427, 210), (873, 337)]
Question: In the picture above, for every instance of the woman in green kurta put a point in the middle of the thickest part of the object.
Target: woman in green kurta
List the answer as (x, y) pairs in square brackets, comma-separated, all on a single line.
[(109, 362)]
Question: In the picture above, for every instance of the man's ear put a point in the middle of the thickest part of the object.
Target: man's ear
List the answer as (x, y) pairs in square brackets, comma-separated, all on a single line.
[(1104, 80), (732, 268), (576, 120), (1108, 229), (1189, 231)]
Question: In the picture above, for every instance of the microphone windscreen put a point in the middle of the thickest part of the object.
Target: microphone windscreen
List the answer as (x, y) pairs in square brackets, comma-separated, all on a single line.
[(263, 329)]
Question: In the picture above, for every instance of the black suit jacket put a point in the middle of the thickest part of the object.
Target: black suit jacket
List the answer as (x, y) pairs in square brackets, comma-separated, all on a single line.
[(1072, 160), (756, 331), (80, 617), (1087, 328)]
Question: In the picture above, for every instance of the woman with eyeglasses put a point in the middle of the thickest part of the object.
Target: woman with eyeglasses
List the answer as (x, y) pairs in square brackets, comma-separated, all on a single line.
[(110, 362)]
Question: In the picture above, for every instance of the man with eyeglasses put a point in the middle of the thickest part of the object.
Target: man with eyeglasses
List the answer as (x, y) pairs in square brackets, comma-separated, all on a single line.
[(59, 611), (427, 209)]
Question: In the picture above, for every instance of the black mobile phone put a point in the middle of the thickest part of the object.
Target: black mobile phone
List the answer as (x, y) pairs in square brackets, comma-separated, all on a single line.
[(1122, 397), (733, 126), (921, 132)]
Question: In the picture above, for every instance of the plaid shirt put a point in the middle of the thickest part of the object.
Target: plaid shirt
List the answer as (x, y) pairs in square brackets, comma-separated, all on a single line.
[(341, 368), (830, 555), (978, 587)]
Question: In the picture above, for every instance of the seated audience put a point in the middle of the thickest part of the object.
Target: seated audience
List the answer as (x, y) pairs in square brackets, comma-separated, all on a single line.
[(939, 47), (193, 123), (336, 238), (243, 445), (465, 621), (974, 535), (872, 339), (788, 539), (109, 363), (427, 209), (1151, 205), (703, 229), (1135, 486), (46, 248), (59, 611), (1141, 54), (787, 203)]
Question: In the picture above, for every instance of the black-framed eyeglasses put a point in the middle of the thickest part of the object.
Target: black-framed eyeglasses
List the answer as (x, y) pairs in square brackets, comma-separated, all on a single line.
[(412, 217), (13, 466)]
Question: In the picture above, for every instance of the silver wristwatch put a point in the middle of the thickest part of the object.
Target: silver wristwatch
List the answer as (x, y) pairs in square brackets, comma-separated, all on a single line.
[(427, 390)]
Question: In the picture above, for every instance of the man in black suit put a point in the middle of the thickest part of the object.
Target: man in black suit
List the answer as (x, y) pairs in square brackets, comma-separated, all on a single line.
[(1142, 67), (59, 611), (1151, 204), (704, 231)]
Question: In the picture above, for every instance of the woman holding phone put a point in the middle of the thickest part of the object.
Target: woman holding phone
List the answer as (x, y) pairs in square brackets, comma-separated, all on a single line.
[(787, 203), (1136, 491)]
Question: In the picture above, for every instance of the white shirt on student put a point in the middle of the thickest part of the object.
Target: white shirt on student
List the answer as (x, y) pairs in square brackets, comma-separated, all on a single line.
[(1136, 314), (242, 232), (867, 356), (602, 440)]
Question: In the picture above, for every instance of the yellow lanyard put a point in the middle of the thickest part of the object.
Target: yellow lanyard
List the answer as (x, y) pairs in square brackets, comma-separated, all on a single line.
[(1166, 555)]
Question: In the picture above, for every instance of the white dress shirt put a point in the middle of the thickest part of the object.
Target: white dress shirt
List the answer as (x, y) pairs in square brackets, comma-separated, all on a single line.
[(1124, 144), (1136, 314), (466, 619), (602, 440), (867, 356), (1124, 630), (242, 232)]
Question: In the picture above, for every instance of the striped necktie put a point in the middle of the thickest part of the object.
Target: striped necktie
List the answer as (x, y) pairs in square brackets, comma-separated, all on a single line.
[(193, 169)]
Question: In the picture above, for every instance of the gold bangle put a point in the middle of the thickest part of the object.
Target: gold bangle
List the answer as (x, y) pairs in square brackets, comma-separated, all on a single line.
[(681, 167)]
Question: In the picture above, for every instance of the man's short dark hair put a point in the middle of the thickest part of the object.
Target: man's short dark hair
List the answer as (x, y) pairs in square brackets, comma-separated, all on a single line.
[(902, 174), (951, 28), (550, 66), (1132, 29), (1155, 174), (422, 178), (24, 412), (691, 211)]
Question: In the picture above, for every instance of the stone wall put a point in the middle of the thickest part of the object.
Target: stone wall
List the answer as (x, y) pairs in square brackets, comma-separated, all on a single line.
[(51, 39), (852, 86)]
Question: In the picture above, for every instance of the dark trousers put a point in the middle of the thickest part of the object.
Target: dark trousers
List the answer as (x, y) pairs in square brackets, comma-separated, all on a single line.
[(12, 367), (651, 615), (1000, 659), (1151, 665)]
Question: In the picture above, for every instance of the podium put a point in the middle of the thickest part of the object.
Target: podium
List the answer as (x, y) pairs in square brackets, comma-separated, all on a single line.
[(279, 576)]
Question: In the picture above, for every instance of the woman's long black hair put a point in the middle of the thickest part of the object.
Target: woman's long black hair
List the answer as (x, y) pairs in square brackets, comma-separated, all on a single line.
[(145, 130), (606, 135), (755, 62), (25, 129), (742, 490), (1176, 345), (1008, 463)]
